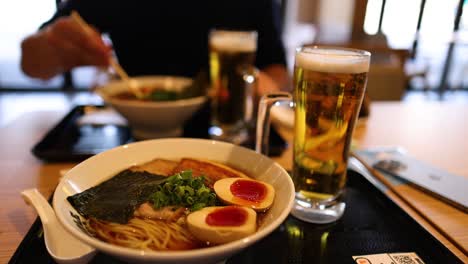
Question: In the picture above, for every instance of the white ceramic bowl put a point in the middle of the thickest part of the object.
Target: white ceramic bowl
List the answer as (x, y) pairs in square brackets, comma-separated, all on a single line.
[(153, 119), (103, 166)]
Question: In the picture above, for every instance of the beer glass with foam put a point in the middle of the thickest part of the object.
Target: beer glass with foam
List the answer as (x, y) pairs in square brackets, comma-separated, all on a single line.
[(329, 85), (233, 80)]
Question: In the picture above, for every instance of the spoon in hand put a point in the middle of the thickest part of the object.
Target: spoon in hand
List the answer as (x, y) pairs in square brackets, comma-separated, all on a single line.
[(61, 245), (132, 84)]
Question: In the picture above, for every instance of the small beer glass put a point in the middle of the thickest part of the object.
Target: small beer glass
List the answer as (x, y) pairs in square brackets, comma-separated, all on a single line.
[(233, 78)]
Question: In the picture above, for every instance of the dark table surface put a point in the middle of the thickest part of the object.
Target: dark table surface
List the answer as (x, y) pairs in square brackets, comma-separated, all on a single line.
[(371, 224)]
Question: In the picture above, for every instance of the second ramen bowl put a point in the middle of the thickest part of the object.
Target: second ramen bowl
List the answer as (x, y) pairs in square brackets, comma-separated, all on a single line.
[(105, 165), (153, 119)]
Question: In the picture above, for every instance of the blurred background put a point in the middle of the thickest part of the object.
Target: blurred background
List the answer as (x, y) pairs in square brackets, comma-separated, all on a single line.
[(419, 46)]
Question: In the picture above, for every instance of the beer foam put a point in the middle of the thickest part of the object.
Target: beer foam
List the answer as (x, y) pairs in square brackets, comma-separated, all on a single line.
[(234, 41), (332, 60)]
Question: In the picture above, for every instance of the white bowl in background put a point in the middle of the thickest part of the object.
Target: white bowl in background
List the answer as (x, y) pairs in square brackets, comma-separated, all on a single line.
[(107, 164), (150, 119)]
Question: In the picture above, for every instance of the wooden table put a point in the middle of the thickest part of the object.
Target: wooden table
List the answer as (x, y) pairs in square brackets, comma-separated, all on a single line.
[(432, 132)]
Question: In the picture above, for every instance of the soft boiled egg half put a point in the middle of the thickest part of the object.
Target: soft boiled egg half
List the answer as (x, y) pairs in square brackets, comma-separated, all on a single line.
[(245, 192), (222, 224)]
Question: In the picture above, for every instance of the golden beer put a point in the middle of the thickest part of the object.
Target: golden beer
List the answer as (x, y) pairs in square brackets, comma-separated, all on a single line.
[(329, 85), (328, 92), (232, 54)]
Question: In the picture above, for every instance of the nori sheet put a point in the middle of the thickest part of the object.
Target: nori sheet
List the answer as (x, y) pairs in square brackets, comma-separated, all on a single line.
[(116, 199)]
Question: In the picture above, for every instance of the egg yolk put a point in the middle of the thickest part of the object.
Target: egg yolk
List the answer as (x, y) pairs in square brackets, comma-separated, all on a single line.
[(227, 216), (249, 190)]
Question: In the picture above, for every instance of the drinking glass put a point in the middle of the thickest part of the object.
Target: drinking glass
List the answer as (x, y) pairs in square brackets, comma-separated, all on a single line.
[(329, 85), (233, 77)]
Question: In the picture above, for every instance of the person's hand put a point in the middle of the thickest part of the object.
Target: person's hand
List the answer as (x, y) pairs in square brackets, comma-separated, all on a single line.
[(273, 78), (266, 84), (75, 46), (60, 47)]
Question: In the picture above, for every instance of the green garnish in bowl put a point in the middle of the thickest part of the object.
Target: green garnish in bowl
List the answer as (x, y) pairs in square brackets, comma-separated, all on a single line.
[(163, 95), (182, 189)]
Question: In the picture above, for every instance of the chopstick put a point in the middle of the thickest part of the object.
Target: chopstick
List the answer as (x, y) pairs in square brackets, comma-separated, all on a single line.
[(114, 64), (380, 177)]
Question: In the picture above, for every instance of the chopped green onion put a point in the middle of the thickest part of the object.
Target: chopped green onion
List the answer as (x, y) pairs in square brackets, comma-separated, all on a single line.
[(163, 95), (182, 189)]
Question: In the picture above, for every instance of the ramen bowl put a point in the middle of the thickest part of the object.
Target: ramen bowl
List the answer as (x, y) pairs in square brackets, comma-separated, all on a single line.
[(101, 167), (153, 119)]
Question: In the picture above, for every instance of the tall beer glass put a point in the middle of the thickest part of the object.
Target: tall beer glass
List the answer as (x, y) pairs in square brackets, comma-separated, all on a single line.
[(329, 85), (232, 56)]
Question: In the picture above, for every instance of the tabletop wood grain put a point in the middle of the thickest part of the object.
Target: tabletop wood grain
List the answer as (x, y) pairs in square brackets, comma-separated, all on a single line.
[(432, 132)]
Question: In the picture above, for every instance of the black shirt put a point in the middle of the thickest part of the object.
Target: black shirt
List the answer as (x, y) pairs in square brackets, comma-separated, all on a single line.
[(171, 37)]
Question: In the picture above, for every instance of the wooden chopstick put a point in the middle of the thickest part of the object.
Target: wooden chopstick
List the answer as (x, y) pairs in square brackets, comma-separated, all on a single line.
[(78, 19), (114, 64), (380, 177)]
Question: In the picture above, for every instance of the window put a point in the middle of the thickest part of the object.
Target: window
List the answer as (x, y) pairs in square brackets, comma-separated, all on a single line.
[(18, 19), (399, 25)]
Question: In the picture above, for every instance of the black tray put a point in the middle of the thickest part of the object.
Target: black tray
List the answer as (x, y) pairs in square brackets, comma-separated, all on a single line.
[(371, 224), (70, 141)]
